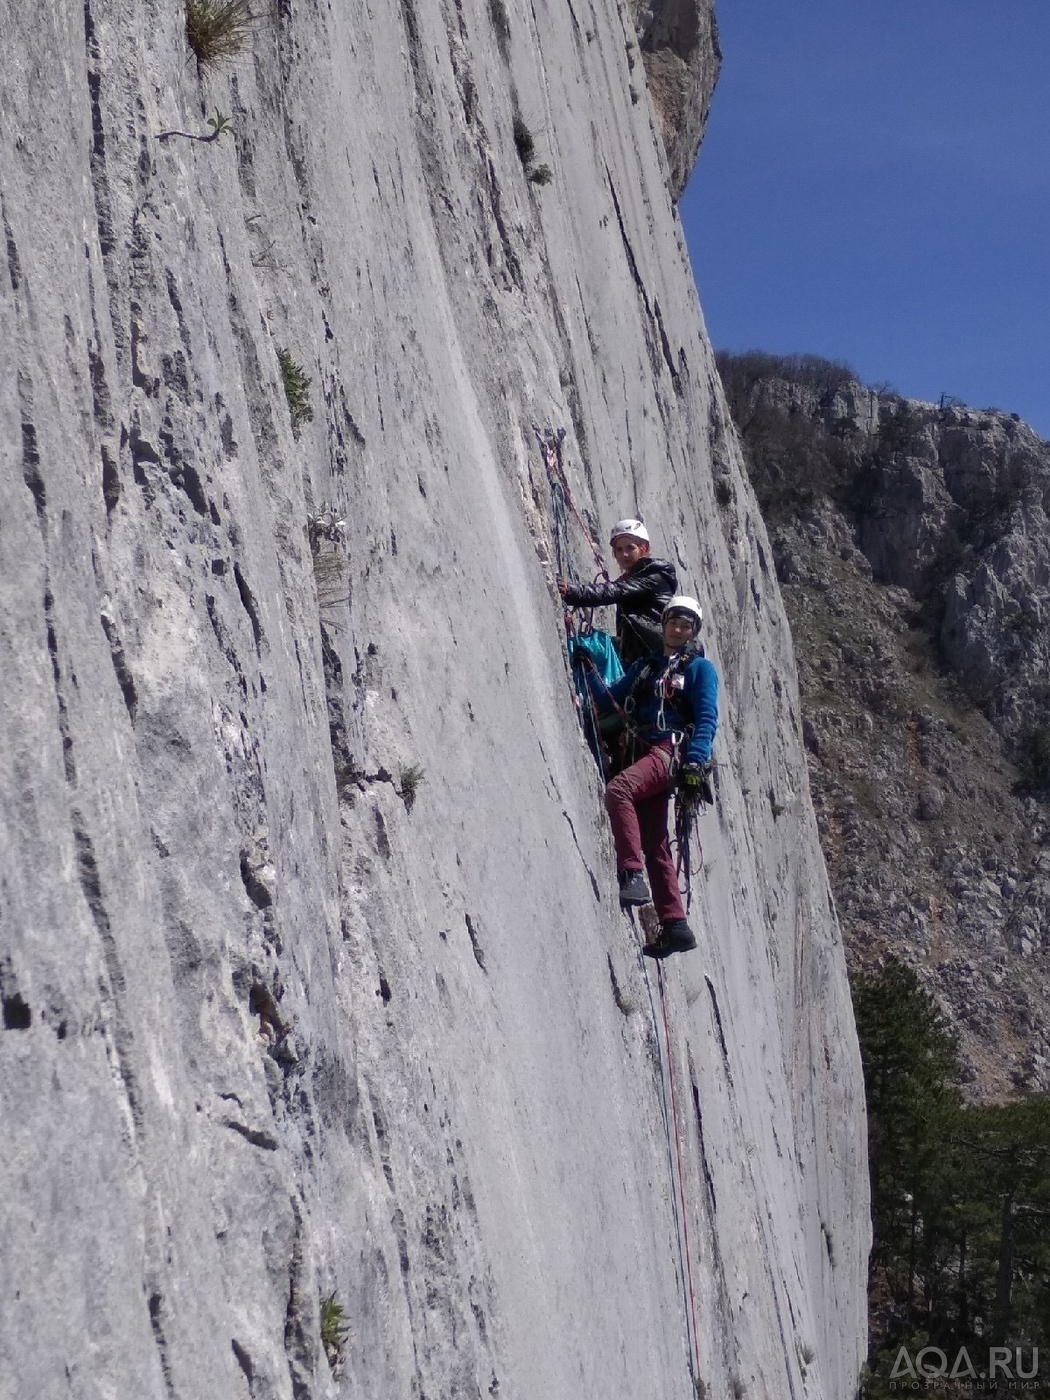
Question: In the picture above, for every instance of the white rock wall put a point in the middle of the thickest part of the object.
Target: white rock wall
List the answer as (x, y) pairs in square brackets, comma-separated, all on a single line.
[(269, 1035)]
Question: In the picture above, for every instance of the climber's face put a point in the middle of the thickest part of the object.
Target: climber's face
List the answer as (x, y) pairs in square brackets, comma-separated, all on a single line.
[(627, 551), (678, 629)]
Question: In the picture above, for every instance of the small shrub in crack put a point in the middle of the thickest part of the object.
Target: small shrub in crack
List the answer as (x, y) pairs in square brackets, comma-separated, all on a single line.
[(219, 123), (327, 525), (218, 30), (408, 781), (296, 389), (334, 1330), (501, 27), (1033, 759), (524, 142), (525, 145), (332, 575)]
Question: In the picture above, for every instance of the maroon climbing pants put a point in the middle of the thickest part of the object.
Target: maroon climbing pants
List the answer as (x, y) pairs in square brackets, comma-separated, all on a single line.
[(637, 800)]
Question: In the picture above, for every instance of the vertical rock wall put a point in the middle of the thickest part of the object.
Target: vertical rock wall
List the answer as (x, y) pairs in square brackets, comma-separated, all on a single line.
[(272, 1032)]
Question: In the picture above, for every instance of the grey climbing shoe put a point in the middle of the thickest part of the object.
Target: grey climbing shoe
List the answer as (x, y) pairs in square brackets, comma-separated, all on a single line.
[(633, 889), (675, 937)]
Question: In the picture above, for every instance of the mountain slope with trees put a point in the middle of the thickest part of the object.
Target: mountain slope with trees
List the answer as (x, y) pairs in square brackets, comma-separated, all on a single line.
[(960, 1198), (912, 545)]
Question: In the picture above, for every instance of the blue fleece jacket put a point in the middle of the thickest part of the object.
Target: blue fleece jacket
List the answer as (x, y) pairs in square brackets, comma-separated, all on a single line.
[(695, 702)]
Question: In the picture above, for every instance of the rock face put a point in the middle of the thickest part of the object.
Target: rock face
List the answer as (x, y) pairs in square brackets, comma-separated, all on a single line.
[(315, 993), (913, 545), (679, 43)]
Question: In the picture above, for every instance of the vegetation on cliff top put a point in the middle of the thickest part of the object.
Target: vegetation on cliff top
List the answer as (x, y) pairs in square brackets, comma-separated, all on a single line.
[(794, 458)]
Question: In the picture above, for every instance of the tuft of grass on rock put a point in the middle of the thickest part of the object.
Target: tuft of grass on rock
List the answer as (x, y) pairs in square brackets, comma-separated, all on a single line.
[(296, 389), (334, 1330), (408, 781), (218, 30), (525, 145)]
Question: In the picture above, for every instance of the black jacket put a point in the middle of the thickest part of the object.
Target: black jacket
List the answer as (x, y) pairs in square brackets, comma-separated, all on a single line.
[(640, 597)]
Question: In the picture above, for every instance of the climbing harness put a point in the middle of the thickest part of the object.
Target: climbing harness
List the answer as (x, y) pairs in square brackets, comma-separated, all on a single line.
[(667, 677), (669, 1109)]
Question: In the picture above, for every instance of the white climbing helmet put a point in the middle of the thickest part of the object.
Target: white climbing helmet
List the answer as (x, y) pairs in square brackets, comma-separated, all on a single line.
[(632, 527), (682, 603)]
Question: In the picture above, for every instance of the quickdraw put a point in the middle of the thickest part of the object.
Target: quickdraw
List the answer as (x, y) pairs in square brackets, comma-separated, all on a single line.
[(687, 806), (551, 443), (667, 683)]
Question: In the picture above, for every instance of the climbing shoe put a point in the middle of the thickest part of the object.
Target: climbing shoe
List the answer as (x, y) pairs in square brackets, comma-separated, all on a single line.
[(633, 889), (675, 937)]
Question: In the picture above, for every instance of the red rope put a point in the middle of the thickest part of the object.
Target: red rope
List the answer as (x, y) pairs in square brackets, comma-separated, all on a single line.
[(694, 1349)]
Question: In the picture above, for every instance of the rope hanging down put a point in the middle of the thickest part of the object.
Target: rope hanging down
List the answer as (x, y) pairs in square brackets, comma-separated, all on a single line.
[(669, 1108), (694, 1353), (563, 506)]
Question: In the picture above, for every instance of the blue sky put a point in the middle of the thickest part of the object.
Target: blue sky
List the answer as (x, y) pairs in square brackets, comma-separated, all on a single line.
[(874, 187)]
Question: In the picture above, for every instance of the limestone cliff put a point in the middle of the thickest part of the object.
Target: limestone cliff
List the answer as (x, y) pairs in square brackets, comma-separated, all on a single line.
[(314, 986), (913, 544)]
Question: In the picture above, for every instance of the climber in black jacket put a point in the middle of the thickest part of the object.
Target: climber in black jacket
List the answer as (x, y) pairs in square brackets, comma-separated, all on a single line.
[(640, 593)]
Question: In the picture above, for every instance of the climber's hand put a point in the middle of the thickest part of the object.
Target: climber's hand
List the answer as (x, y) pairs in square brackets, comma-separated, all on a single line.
[(691, 777)]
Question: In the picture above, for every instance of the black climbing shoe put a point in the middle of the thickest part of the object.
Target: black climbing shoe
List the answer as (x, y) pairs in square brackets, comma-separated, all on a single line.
[(675, 937), (633, 889)]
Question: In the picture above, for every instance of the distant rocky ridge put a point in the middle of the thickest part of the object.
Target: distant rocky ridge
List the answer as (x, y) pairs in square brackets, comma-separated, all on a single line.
[(912, 544)]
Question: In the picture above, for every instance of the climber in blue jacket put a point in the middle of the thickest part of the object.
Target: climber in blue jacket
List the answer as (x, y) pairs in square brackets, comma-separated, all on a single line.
[(669, 700)]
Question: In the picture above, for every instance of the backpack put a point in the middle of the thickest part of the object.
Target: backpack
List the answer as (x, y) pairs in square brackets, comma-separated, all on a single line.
[(595, 666), (594, 655)]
